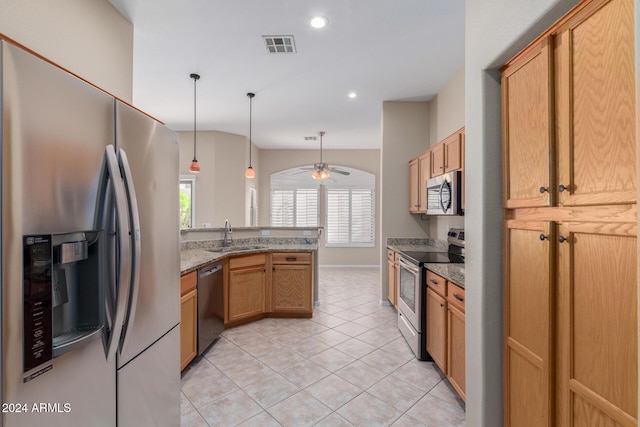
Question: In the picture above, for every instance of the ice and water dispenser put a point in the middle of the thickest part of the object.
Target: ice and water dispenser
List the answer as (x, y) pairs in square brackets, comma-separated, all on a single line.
[(62, 294)]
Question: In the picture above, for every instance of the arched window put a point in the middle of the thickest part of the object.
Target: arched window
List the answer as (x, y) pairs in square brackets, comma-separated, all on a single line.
[(349, 203)]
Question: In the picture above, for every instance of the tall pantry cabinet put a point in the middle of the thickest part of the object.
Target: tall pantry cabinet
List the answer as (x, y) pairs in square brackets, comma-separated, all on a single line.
[(570, 198)]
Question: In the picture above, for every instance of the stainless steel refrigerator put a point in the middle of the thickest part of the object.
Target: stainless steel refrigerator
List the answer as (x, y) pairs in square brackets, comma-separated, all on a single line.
[(90, 254)]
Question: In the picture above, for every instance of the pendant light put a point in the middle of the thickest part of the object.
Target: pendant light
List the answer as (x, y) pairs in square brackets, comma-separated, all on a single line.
[(194, 167), (250, 173), (321, 170)]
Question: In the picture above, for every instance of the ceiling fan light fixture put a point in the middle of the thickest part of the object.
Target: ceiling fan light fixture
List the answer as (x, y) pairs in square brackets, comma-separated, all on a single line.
[(194, 167), (320, 170)]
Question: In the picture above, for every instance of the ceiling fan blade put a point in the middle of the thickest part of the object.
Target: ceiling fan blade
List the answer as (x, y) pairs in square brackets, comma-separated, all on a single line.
[(340, 171)]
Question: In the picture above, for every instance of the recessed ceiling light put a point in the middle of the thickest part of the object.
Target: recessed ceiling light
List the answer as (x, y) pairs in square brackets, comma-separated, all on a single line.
[(318, 21), (352, 94)]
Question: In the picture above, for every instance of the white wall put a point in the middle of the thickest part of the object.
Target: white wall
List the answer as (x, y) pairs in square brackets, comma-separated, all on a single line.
[(367, 160), (221, 185), (405, 134), (494, 32), (89, 38), (446, 115)]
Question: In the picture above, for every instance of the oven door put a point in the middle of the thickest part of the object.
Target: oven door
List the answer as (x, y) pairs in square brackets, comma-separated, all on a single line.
[(409, 293)]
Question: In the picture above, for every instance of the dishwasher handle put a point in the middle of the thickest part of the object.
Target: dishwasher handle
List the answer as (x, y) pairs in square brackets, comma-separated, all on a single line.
[(210, 271)]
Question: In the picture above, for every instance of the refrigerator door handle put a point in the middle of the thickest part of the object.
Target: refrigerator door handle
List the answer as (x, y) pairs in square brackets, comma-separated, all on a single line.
[(135, 246), (123, 253)]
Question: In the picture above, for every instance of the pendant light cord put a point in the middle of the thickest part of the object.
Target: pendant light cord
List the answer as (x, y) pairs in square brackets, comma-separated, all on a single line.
[(195, 78), (250, 95)]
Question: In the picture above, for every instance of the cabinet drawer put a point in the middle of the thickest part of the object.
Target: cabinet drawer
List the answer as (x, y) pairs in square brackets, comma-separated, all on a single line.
[(188, 282), (247, 261), (291, 258), (437, 283), (455, 296)]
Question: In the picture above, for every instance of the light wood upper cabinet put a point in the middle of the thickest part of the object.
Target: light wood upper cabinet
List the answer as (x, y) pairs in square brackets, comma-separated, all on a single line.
[(418, 175), (291, 283), (437, 160), (424, 162), (528, 335), (414, 185), (596, 106), (598, 324), (188, 318), (527, 128), (446, 156)]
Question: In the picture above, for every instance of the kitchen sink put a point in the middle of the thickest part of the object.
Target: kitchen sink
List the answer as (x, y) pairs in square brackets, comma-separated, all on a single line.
[(235, 248)]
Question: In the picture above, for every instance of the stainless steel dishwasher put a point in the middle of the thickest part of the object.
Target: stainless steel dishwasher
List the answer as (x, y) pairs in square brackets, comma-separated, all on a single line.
[(210, 305)]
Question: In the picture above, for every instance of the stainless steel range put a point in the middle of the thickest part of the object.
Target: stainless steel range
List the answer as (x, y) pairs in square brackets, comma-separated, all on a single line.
[(412, 316)]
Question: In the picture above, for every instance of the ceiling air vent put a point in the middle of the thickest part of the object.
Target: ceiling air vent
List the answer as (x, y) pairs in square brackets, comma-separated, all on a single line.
[(279, 44), (310, 138)]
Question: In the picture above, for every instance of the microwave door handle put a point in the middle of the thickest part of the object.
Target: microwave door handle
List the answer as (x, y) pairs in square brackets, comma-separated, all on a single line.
[(124, 254), (135, 248), (440, 191)]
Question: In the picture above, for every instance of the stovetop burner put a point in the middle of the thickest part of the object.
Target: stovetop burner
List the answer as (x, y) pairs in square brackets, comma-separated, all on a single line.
[(421, 258)]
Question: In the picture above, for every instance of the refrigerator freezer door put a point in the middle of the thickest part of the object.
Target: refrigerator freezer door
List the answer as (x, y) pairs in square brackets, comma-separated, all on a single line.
[(152, 152), (54, 131), (149, 386)]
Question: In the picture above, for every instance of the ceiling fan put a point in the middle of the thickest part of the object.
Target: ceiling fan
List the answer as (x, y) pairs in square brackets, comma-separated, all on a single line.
[(321, 170)]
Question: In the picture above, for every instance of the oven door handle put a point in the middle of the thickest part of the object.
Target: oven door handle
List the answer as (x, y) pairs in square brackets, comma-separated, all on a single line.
[(409, 266)]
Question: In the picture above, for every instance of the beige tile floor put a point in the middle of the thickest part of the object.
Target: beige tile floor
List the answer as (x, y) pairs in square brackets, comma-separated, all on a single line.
[(348, 365)]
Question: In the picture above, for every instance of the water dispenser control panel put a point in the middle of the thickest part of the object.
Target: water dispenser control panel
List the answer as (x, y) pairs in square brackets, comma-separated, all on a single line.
[(37, 293)]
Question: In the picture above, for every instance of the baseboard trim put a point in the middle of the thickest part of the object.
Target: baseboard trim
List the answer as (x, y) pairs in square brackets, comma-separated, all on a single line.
[(348, 266)]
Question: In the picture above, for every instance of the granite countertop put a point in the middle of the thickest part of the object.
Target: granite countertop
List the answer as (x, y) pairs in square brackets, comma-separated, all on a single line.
[(452, 272), (192, 259)]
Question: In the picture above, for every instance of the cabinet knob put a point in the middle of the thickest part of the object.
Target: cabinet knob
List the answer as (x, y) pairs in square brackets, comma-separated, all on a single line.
[(562, 239), (543, 190), (562, 187), (441, 305), (542, 236), (458, 297)]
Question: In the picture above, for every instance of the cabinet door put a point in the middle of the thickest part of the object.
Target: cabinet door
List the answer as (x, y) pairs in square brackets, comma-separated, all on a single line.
[(391, 282), (455, 349), (188, 327), (414, 176), (437, 160), (452, 152), (527, 128), (437, 328), (291, 288), (246, 292), (424, 162), (597, 324), (528, 305), (597, 107)]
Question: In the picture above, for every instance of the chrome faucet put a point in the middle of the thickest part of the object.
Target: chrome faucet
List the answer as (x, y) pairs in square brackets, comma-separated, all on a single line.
[(228, 239)]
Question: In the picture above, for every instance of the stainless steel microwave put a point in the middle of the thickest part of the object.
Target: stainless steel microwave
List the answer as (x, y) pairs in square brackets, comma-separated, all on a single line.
[(444, 194)]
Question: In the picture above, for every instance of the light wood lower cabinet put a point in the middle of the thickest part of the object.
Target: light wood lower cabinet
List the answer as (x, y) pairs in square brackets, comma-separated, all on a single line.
[(246, 288), (188, 318), (445, 329), (291, 283), (437, 328), (455, 338), (392, 277), (597, 336)]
